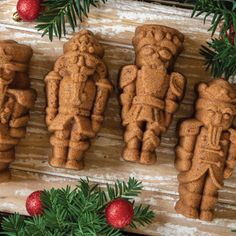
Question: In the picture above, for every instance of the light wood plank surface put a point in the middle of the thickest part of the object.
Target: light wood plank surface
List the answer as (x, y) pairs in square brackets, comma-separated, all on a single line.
[(114, 24)]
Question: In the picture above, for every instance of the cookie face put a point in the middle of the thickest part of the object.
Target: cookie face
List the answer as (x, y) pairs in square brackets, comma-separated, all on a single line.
[(216, 106), (157, 45)]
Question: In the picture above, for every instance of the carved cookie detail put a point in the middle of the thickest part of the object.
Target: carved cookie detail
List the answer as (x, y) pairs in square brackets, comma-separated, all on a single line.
[(16, 99), (151, 92), (206, 154), (77, 93)]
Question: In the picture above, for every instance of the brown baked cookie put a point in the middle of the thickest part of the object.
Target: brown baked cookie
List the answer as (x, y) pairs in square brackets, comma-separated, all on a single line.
[(206, 154), (16, 99), (77, 93), (151, 92)]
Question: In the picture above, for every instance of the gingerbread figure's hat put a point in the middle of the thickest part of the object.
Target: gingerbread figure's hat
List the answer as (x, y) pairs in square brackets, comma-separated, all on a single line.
[(13, 51), (159, 36), (218, 91), (84, 41)]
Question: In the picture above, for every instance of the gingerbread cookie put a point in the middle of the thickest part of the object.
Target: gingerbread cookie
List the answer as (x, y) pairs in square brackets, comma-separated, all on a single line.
[(151, 93), (77, 93), (16, 99), (206, 154)]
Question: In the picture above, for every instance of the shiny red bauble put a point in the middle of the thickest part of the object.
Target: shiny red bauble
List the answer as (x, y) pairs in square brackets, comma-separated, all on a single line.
[(28, 10), (119, 213), (34, 204)]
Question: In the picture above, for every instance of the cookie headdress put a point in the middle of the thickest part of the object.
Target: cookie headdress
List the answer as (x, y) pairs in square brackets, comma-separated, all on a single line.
[(84, 41), (217, 92), (158, 36)]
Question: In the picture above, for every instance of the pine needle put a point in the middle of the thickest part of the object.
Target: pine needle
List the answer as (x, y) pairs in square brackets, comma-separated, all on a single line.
[(220, 54), (52, 21)]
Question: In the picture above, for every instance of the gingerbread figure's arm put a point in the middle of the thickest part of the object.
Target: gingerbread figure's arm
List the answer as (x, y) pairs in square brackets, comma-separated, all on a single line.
[(174, 96), (15, 112), (127, 84), (231, 160), (5, 115), (104, 87), (189, 130), (20, 102), (52, 89)]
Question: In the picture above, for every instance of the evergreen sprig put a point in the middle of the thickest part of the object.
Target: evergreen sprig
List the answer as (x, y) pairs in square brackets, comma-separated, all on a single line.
[(220, 56), (52, 20), (222, 11), (78, 212), (142, 216), (127, 191)]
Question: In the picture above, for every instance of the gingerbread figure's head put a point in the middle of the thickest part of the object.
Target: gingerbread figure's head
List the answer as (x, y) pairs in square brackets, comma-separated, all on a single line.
[(216, 105), (84, 42), (157, 45)]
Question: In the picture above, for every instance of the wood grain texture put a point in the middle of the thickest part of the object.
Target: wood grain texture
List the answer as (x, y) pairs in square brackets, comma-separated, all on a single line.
[(114, 25)]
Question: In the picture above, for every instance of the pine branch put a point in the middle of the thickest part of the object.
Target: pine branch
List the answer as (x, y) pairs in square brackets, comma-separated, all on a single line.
[(220, 10), (121, 189), (52, 21), (13, 225), (142, 216), (79, 211), (220, 57)]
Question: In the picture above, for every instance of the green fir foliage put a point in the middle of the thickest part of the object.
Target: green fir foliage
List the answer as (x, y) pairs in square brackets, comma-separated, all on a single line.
[(52, 20), (221, 53), (220, 57), (78, 212)]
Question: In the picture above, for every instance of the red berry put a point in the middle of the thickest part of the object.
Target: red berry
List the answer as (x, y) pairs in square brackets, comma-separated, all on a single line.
[(119, 213), (231, 34), (33, 204), (28, 10)]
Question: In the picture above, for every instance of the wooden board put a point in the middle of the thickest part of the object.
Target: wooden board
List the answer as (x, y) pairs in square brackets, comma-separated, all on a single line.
[(114, 24)]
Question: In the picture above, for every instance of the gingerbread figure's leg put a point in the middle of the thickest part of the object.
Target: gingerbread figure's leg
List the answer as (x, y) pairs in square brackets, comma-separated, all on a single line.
[(78, 144), (151, 140), (60, 141), (209, 200), (16, 130), (190, 198), (133, 137)]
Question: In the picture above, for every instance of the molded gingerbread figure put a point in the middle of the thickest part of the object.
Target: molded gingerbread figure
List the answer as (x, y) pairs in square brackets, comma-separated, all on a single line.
[(151, 92), (77, 93), (16, 99), (206, 154)]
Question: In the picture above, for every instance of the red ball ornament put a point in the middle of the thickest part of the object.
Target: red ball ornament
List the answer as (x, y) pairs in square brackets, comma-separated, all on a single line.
[(231, 34), (28, 10), (119, 213), (33, 204)]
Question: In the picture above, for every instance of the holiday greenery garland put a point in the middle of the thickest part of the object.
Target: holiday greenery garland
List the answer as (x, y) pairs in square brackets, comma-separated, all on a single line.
[(80, 212)]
